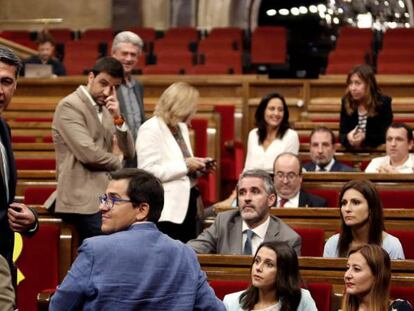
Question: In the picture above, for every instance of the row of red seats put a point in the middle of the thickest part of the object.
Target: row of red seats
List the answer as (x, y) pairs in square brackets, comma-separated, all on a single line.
[(45, 275)]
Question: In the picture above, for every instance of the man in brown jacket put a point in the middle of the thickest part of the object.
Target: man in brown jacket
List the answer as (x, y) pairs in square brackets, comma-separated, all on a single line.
[(91, 139)]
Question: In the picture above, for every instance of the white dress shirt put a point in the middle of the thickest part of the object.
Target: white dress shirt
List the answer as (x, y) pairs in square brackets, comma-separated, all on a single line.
[(258, 236), (292, 202)]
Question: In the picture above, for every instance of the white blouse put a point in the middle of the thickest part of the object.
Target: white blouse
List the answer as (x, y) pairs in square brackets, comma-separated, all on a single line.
[(258, 158)]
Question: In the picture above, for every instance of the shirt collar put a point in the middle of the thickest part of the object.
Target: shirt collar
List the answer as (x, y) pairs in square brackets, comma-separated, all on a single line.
[(260, 230), (292, 202), (327, 167)]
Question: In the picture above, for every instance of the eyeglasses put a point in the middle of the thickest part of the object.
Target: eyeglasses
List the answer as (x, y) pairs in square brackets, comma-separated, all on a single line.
[(290, 176), (109, 202)]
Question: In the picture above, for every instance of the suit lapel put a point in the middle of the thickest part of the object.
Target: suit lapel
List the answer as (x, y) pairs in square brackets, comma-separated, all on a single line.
[(302, 199), (235, 235), (171, 142), (139, 100), (272, 230)]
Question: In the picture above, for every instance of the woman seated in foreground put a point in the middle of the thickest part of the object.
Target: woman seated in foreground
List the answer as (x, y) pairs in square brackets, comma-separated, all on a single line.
[(362, 222), (367, 281), (275, 283)]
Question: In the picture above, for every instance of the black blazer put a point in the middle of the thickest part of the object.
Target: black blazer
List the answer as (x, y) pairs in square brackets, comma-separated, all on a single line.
[(311, 200), (6, 234), (337, 167), (376, 125)]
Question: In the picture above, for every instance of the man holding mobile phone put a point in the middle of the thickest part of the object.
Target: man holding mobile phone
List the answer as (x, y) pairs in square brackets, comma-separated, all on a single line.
[(91, 139), (13, 216)]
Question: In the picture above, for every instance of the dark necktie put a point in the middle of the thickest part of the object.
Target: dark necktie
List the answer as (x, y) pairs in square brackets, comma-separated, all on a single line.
[(283, 202), (248, 244), (322, 169)]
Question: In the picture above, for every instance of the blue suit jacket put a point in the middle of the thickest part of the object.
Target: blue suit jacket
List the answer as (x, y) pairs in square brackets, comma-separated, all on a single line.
[(136, 269), (337, 167)]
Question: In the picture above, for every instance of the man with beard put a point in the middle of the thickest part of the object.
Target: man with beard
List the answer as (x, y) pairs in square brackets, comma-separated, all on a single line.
[(91, 139), (322, 153), (241, 231)]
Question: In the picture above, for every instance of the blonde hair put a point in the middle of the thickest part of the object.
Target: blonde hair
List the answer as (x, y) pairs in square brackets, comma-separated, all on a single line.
[(177, 103)]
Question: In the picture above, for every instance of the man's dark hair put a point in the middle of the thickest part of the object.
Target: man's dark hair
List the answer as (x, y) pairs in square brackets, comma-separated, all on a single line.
[(400, 125), (143, 187), (109, 65), (8, 57), (324, 129), (45, 37)]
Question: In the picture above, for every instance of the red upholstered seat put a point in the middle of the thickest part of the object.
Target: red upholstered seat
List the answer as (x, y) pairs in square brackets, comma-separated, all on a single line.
[(163, 69), (208, 183), (269, 45), (232, 151), (184, 59), (397, 198), (98, 34), (39, 263), (331, 195), (406, 238), (403, 292), (210, 69), (23, 139), (37, 195), (35, 164), (313, 240)]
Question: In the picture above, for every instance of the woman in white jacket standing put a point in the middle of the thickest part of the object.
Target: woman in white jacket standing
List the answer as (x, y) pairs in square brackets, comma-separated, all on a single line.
[(164, 149)]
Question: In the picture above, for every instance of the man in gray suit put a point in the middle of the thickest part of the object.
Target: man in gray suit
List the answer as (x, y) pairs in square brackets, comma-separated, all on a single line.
[(91, 139), (127, 48), (241, 231)]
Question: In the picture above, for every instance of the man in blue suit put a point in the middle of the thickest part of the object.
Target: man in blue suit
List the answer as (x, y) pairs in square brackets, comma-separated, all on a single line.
[(322, 153), (135, 267)]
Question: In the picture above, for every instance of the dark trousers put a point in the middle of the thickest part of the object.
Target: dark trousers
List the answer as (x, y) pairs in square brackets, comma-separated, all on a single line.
[(86, 225), (188, 229)]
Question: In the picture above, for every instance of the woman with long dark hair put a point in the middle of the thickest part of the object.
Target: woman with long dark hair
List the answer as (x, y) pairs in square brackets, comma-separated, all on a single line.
[(275, 283), (362, 222), (365, 112), (272, 136), (367, 281)]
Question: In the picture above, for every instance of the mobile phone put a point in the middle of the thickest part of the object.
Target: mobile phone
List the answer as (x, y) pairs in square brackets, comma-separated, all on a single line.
[(210, 163), (16, 208)]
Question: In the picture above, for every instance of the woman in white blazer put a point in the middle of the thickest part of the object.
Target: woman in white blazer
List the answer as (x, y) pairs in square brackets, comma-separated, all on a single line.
[(164, 149)]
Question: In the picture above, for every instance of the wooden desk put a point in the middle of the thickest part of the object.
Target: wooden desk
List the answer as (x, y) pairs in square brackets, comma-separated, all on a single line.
[(329, 218), (313, 269)]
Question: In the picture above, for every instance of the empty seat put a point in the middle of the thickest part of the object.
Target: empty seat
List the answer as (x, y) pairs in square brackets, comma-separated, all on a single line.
[(35, 164), (233, 59), (215, 45), (234, 34), (37, 195), (80, 55), (171, 46), (163, 69), (189, 34), (269, 45), (102, 34), (210, 69), (406, 238), (184, 59), (61, 35), (313, 240), (207, 183), (39, 263), (16, 35), (405, 198)]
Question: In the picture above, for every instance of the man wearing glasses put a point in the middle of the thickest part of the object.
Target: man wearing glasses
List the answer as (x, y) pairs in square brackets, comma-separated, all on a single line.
[(135, 267), (241, 231), (288, 181)]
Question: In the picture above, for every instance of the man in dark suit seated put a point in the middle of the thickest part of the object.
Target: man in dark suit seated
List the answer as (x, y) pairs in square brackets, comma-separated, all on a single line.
[(288, 181), (240, 231), (322, 153), (135, 267)]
